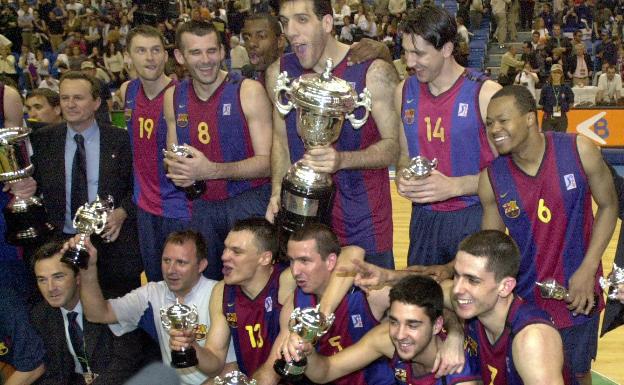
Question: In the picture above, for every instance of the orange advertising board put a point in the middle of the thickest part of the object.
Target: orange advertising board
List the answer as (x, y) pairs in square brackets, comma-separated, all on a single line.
[(605, 127)]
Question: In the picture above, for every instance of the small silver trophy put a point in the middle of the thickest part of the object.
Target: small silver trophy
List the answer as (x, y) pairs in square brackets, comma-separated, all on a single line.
[(322, 102), (180, 317), (551, 289), (234, 378), (310, 324), (90, 219), (419, 168), (613, 280), (195, 190)]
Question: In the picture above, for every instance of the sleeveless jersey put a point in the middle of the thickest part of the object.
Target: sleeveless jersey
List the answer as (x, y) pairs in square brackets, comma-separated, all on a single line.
[(353, 320), (497, 366), (404, 375), (447, 127), (153, 191), (550, 218), (254, 323), (362, 211), (218, 128)]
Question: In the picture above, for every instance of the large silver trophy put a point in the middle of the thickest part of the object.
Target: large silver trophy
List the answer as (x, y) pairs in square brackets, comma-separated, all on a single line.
[(323, 102), (419, 168), (310, 324), (234, 378), (26, 219), (180, 317), (611, 283), (551, 289), (195, 190), (90, 219)]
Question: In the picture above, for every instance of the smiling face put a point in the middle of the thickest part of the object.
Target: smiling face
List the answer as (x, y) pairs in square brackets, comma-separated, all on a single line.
[(57, 282), (507, 128), (306, 33), (148, 56), (475, 289), (202, 56), (411, 330), (423, 58)]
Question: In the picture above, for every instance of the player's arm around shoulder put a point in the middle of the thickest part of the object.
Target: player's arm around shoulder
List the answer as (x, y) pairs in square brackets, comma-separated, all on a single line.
[(491, 219), (538, 355), (169, 113)]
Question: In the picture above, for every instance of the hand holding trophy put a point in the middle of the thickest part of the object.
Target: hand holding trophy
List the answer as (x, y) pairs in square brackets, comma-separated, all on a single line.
[(310, 324), (181, 317), (419, 168), (195, 190), (90, 219), (551, 289)]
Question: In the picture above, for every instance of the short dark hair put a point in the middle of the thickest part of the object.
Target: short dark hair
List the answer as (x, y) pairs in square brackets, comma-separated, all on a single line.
[(52, 97), (499, 248), (144, 30), (181, 237), (421, 291), (274, 24), (319, 7), (264, 232), (195, 27), (524, 100), (432, 23), (49, 250), (79, 75), (326, 240)]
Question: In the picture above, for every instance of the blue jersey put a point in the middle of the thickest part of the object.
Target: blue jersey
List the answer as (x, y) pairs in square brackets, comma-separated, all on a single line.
[(549, 215), (497, 364), (353, 320), (153, 191), (404, 374), (218, 128), (362, 211), (254, 322), (447, 127)]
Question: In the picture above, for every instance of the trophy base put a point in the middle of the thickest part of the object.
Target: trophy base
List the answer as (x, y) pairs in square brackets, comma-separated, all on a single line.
[(300, 206), (195, 190), (290, 371), (184, 358), (26, 222), (78, 257)]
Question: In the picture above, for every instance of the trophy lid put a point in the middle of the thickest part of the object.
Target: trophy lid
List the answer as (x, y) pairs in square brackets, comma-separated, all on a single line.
[(324, 92), (178, 310)]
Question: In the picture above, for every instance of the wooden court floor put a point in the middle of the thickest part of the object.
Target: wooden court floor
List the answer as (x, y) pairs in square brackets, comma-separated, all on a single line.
[(610, 359)]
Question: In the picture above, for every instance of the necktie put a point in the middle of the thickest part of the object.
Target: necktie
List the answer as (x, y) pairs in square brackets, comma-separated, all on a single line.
[(79, 195), (77, 339)]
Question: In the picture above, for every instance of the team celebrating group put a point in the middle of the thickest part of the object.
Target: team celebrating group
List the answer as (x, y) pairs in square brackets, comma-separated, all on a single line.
[(466, 310)]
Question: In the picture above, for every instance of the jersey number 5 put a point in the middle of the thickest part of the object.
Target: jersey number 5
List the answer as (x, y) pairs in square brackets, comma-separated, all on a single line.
[(493, 373), (253, 331)]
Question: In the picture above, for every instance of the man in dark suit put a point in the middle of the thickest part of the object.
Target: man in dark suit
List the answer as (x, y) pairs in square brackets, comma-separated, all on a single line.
[(79, 159), (78, 352)]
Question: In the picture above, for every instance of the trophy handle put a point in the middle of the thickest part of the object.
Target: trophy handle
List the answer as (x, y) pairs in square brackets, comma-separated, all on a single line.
[(365, 101), (166, 322), (101, 224), (281, 85)]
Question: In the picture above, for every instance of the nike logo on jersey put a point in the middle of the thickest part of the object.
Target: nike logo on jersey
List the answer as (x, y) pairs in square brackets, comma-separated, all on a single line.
[(585, 128), (504, 195), (409, 100)]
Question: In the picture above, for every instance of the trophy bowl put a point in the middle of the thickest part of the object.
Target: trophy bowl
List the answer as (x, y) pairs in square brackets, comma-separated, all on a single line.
[(323, 102), (90, 219), (26, 219), (551, 289), (180, 317), (419, 168), (310, 324), (198, 188), (234, 378)]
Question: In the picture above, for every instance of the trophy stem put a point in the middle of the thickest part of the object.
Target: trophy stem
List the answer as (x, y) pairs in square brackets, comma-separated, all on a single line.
[(78, 255)]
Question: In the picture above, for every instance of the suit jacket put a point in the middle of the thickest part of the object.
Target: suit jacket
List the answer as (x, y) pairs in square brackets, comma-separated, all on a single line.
[(120, 266), (115, 359)]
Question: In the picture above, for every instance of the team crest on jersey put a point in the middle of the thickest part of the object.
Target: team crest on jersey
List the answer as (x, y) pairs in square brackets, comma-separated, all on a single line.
[(128, 114), (357, 321), (400, 374), (409, 115), (201, 331), (570, 182), (4, 349), (462, 111), (226, 109), (512, 210), (182, 120), (268, 304), (471, 346), (231, 319)]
